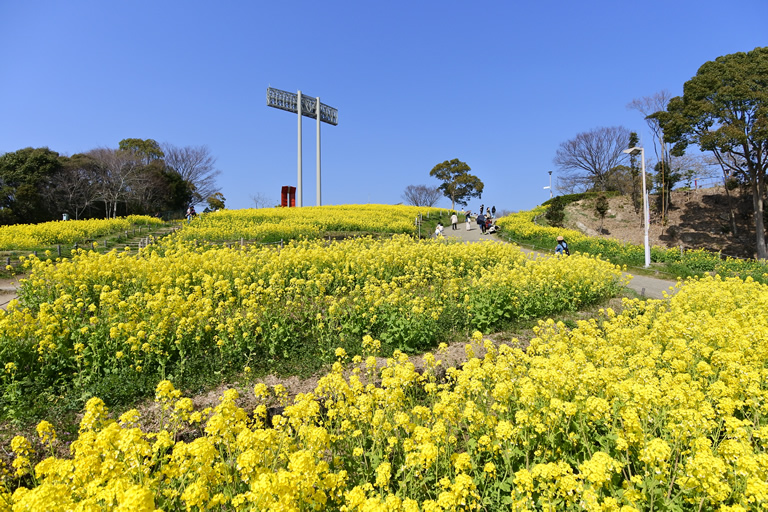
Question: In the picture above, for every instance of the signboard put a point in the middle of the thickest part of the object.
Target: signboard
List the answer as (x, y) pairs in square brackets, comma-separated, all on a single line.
[(285, 100)]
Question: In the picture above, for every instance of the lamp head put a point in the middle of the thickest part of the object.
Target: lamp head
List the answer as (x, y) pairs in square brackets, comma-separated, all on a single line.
[(633, 151)]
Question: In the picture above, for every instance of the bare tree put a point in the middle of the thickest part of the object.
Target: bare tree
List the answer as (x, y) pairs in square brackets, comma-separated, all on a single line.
[(196, 166), (261, 201), (118, 174), (421, 195), (648, 105), (149, 191), (73, 189), (695, 167), (588, 158), (565, 185)]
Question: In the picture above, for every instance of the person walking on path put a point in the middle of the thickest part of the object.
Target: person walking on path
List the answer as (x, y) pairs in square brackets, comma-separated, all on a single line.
[(562, 246), (454, 221), (481, 222), (468, 218)]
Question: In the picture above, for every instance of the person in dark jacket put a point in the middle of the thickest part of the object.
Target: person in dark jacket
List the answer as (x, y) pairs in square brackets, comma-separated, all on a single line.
[(481, 222)]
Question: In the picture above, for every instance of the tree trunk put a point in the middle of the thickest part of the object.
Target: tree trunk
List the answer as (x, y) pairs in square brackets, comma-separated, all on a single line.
[(758, 188), (730, 205)]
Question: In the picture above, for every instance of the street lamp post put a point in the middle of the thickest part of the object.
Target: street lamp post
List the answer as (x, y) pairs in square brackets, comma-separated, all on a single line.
[(646, 212), (550, 185)]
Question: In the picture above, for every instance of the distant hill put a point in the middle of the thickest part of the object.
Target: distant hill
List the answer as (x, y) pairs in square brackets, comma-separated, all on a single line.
[(697, 219)]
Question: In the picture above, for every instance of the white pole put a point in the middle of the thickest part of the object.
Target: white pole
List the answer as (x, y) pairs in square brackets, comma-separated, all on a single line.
[(318, 149), (646, 212), (550, 184), (298, 182)]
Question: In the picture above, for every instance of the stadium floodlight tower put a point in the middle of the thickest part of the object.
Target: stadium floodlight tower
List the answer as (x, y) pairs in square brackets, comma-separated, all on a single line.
[(304, 106)]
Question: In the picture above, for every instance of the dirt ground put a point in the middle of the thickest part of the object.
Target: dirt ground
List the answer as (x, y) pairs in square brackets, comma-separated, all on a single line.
[(697, 219), (7, 291), (452, 357)]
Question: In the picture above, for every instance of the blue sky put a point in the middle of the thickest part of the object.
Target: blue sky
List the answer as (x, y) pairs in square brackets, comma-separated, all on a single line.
[(498, 85)]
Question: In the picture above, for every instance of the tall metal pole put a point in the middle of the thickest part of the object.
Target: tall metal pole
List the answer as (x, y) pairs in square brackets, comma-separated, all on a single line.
[(550, 184), (291, 102), (646, 212), (298, 182), (318, 149)]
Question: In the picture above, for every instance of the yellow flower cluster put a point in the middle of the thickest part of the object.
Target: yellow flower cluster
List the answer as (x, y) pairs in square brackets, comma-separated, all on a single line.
[(661, 407), (30, 236), (168, 311), (275, 224)]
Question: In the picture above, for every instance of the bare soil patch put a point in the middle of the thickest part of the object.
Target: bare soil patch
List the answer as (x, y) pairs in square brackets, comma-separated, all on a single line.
[(454, 356), (697, 219)]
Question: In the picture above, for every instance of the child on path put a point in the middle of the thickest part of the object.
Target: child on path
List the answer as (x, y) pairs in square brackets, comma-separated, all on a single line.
[(454, 221)]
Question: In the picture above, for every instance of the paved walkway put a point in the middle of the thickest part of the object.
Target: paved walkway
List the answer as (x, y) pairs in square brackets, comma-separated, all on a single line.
[(644, 286)]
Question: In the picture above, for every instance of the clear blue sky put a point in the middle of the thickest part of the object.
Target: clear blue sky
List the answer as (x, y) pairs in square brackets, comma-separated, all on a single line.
[(498, 85)]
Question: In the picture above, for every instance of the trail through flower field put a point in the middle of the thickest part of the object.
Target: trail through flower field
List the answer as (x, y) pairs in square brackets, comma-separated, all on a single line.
[(645, 286)]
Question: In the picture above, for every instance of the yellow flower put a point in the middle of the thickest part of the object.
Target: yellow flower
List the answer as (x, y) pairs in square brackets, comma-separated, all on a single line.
[(46, 432)]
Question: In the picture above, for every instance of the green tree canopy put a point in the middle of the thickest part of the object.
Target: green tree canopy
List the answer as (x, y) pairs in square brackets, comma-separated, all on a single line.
[(216, 201), (458, 184), (24, 175), (724, 109), (148, 150)]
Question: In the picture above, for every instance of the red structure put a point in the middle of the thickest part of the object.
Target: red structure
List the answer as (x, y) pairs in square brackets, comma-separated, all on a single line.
[(288, 196)]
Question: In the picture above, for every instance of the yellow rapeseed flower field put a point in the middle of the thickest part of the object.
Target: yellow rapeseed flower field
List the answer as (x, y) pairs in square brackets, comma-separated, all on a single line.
[(110, 323), (31, 236), (662, 406), (275, 224)]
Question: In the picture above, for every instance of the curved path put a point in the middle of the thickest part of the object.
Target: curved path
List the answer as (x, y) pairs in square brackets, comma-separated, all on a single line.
[(644, 286)]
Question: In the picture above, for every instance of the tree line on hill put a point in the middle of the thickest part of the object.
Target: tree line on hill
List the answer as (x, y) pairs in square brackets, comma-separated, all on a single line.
[(139, 177), (723, 113)]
